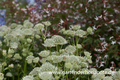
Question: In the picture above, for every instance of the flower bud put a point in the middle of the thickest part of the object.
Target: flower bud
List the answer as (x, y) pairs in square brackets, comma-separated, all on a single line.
[(37, 36), (89, 30), (4, 53), (47, 23), (29, 40), (35, 60), (9, 74), (68, 65), (11, 66)]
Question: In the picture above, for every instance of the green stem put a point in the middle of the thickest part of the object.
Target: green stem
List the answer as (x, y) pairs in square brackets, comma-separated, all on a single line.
[(79, 77), (18, 75), (12, 77), (73, 41), (42, 35), (76, 44), (25, 66), (75, 76)]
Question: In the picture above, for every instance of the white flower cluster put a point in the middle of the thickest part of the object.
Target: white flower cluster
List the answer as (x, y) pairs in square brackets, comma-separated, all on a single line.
[(31, 59), (42, 72), (106, 74), (54, 40), (76, 31), (116, 76), (18, 43), (88, 56)]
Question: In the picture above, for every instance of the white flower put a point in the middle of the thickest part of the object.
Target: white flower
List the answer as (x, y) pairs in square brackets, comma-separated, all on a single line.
[(76, 27), (11, 66), (9, 74), (69, 33), (116, 75), (28, 77), (10, 51), (45, 76), (26, 21), (29, 59), (57, 59), (59, 40), (98, 76), (47, 23), (17, 56), (89, 30), (49, 43), (62, 30), (9, 36), (72, 59), (80, 33), (4, 52), (35, 71), (39, 26), (35, 60), (14, 45), (27, 31), (4, 28), (28, 25), (29, 40), (89, 60), (47, 67), (83, 64), (107, 78), (44, 53), (93, 70), (18, 27), (68, 65), (2, 33), (13, 25), (76, 66), (43, 60), (1, 76), (37, 36), (79, 46), (70, 49), (87, 54)]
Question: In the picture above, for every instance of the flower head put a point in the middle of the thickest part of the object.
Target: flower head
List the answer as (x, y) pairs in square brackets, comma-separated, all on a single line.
[(47, 67), (80, 33), (70, 49), (14, 45), (68, 65), (39, 26), (59, 40), (28, 25), (44, 53), (1, 76), (69, 33), (13, 25), (45, 76), (89, 30), (49, 43), (116, 75), (76, 27), (47, 23), (28, 78)]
